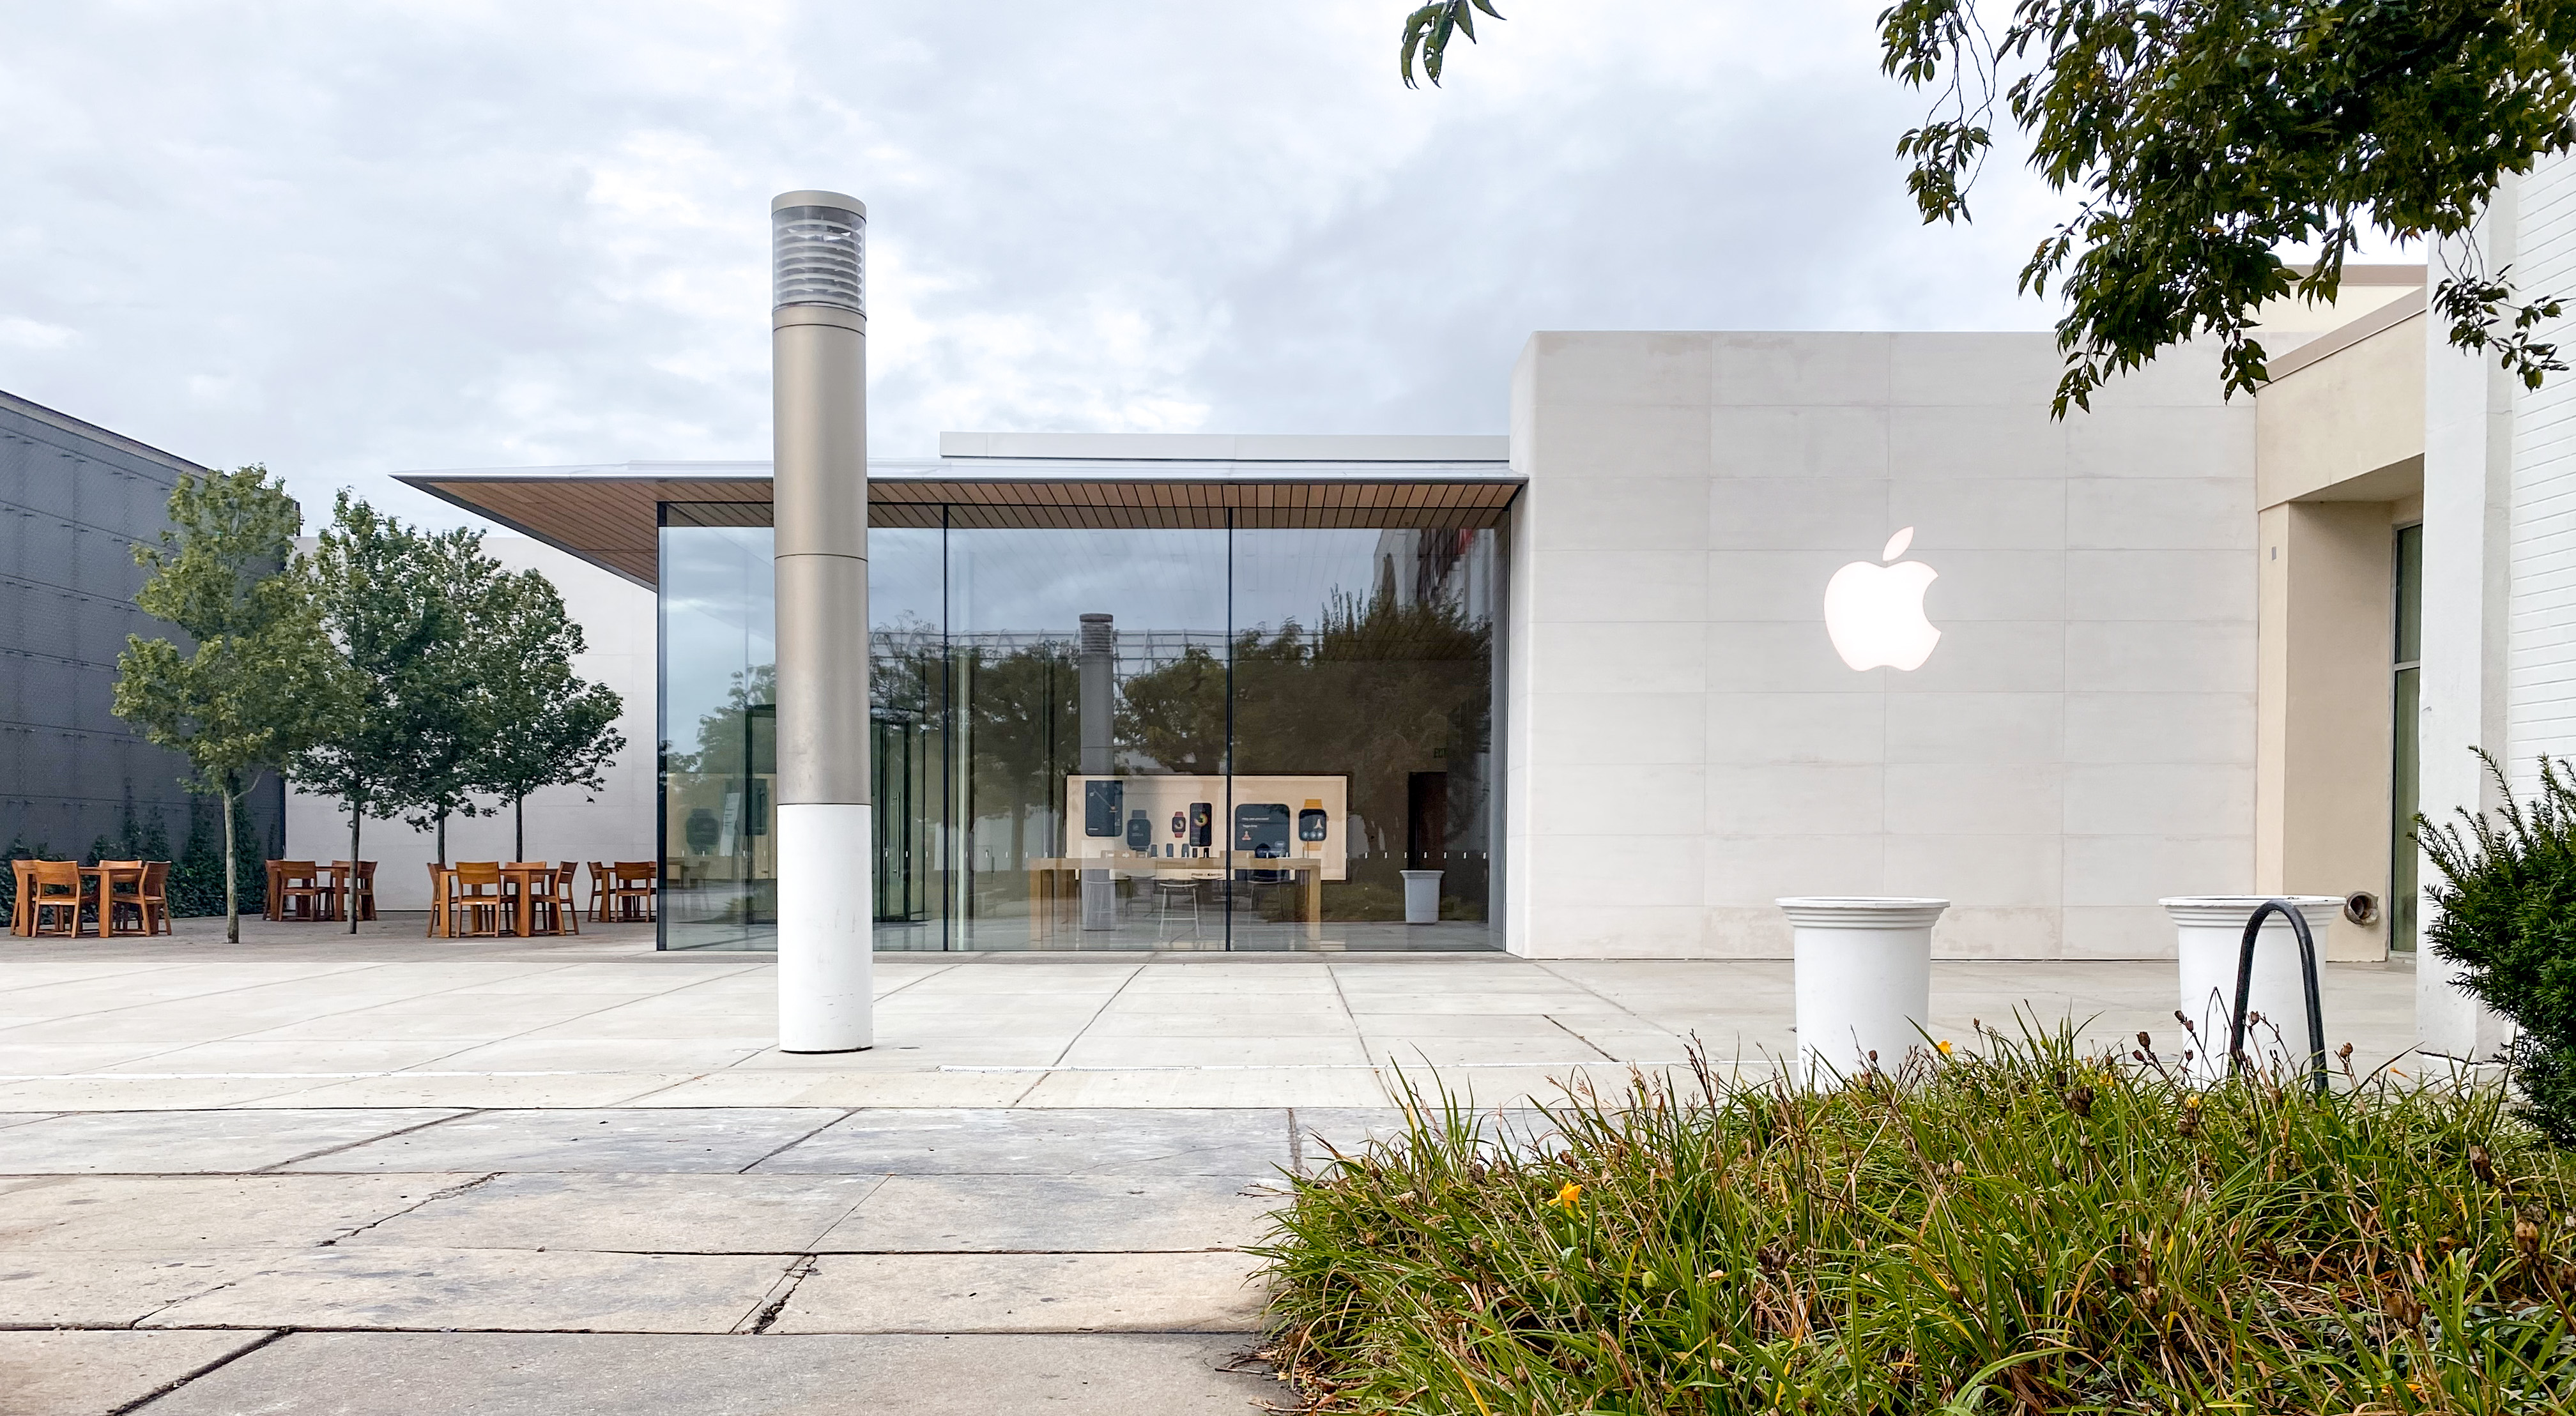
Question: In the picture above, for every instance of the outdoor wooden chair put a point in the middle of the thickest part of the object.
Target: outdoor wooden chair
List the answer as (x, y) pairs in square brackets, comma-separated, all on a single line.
[(120, 894), (599, 887), (152, 901), (57, 894), (22, 906), (303, 891), (556, 909), (631, 891), (475, 901), (360, 894)]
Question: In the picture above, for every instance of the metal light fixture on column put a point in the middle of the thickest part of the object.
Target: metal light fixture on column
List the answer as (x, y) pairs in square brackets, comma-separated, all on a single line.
[(818, 374)]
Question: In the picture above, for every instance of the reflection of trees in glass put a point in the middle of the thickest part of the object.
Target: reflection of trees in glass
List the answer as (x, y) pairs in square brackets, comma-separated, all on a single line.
[(723, 731), (1377, 690)]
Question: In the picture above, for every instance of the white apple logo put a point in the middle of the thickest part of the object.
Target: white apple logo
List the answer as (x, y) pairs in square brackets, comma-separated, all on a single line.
[(1875, 612)]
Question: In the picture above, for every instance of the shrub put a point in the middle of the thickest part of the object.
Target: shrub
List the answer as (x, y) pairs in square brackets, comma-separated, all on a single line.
[(2027, 1230), (2507, 916)]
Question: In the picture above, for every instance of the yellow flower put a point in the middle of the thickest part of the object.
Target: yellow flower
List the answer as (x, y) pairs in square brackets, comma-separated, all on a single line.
[(1567, 1198), (1944, 1045)]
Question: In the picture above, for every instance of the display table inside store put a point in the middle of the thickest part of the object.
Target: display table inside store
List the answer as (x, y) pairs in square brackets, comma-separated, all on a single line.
[(1055, 886)]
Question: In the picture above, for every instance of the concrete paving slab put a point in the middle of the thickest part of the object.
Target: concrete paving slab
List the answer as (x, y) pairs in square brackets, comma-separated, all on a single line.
[(87, 1288), (177, 1214), (77, 1373), (1043, 1142), (1202, 1088), (660, 1214), (712, 1141), (181, 1142), (748, 1087), (561, 1374), (1094, 1050), (481, 1092), (1057, 1214), (147, 1092), (21, 1118), (498, 1290), (962, 1293)]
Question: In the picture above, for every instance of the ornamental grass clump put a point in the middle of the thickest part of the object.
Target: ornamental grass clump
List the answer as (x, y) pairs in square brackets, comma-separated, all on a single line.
[(2012, 1227)]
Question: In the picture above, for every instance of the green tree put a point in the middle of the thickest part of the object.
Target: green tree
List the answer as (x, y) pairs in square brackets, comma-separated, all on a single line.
[(260, 678), (2201, 137), (379, 601), (452, 715), (549, 726)]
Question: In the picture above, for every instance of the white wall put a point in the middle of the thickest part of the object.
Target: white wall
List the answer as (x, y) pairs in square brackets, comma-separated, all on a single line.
[(617, 619), (1685, 745)]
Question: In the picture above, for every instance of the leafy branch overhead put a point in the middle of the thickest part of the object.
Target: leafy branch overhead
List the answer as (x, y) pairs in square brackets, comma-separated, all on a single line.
[(1427, 31), (2203, 136)]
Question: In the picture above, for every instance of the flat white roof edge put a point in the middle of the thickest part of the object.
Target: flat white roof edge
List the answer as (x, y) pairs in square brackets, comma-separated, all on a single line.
[(1228, 447)]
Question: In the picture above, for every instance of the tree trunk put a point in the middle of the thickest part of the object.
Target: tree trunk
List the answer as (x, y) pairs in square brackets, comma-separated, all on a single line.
[(357, 813), (442, 840), (232, 876), (519, 826)]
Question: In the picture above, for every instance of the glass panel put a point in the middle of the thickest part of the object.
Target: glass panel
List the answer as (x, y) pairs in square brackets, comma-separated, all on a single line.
[(2406, 760), (908, 693), (2410, 594), (1087, 673), (1363, 707), (719, 734)]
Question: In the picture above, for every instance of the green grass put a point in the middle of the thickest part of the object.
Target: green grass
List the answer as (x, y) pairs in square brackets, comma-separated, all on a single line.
[(2026, 1229)]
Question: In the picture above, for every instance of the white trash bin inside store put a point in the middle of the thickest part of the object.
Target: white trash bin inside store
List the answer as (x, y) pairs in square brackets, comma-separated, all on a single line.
[(1421, 896)]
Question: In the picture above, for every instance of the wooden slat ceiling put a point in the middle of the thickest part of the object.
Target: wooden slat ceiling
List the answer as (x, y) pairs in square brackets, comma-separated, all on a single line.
[(612, 521)]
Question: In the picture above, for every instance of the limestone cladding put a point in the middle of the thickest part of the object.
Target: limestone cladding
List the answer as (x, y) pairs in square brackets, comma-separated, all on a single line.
[(1685, 745)]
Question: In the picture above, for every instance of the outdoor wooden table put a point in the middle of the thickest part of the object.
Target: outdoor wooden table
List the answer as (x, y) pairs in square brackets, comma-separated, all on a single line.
[(275, 903), (1057, 878), (94, 887), (525, 878)]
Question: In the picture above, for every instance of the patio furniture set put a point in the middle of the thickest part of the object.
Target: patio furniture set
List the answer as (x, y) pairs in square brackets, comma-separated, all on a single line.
[(488, 899), (55, 897)]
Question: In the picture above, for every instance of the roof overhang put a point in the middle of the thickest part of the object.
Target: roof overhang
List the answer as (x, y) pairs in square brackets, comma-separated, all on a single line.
[(610, 515)]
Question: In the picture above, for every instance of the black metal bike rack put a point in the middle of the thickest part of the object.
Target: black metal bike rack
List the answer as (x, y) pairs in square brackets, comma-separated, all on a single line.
[(2245, 989)]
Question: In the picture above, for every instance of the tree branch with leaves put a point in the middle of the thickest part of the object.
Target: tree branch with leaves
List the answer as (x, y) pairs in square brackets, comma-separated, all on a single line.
[(2201, 138)]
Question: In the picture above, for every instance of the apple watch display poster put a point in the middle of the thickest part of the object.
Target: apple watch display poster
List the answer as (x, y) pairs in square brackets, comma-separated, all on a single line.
[(1102, 800), (1286, 815)]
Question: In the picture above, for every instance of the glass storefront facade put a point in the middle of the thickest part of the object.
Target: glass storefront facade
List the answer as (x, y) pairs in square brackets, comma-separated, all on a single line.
[(1204, 738)]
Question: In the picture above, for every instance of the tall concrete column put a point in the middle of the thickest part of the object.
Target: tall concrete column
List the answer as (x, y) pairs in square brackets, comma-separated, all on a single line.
[(818, 373), (2468, 521)]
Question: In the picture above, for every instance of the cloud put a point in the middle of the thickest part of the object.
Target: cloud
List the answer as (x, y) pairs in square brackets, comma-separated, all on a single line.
[(352, 240)]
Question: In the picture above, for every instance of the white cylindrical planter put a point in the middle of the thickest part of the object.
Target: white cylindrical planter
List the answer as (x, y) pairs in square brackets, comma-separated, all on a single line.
[(2209, 931), (1864, 979), (1421, 896)]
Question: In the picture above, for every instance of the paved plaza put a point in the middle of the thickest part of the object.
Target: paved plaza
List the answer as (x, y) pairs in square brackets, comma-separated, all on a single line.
[(310, 1173)]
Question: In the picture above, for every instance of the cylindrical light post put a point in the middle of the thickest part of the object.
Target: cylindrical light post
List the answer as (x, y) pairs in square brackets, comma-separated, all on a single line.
[(818, 373)]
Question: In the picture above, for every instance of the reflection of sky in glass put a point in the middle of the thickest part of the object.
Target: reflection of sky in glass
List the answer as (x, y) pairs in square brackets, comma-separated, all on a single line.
[(718, 605), (1033, 582), (1044, 581), (718, 614), (1285, 575)]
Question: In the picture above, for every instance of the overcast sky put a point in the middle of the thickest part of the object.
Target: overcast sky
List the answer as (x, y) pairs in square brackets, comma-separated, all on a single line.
[(348, 240)]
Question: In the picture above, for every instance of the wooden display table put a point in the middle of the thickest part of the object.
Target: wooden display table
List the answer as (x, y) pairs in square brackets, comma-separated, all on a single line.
[(1056, 880)]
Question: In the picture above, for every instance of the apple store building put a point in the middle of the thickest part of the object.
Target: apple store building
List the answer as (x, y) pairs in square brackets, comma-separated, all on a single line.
[(1721, 618)]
